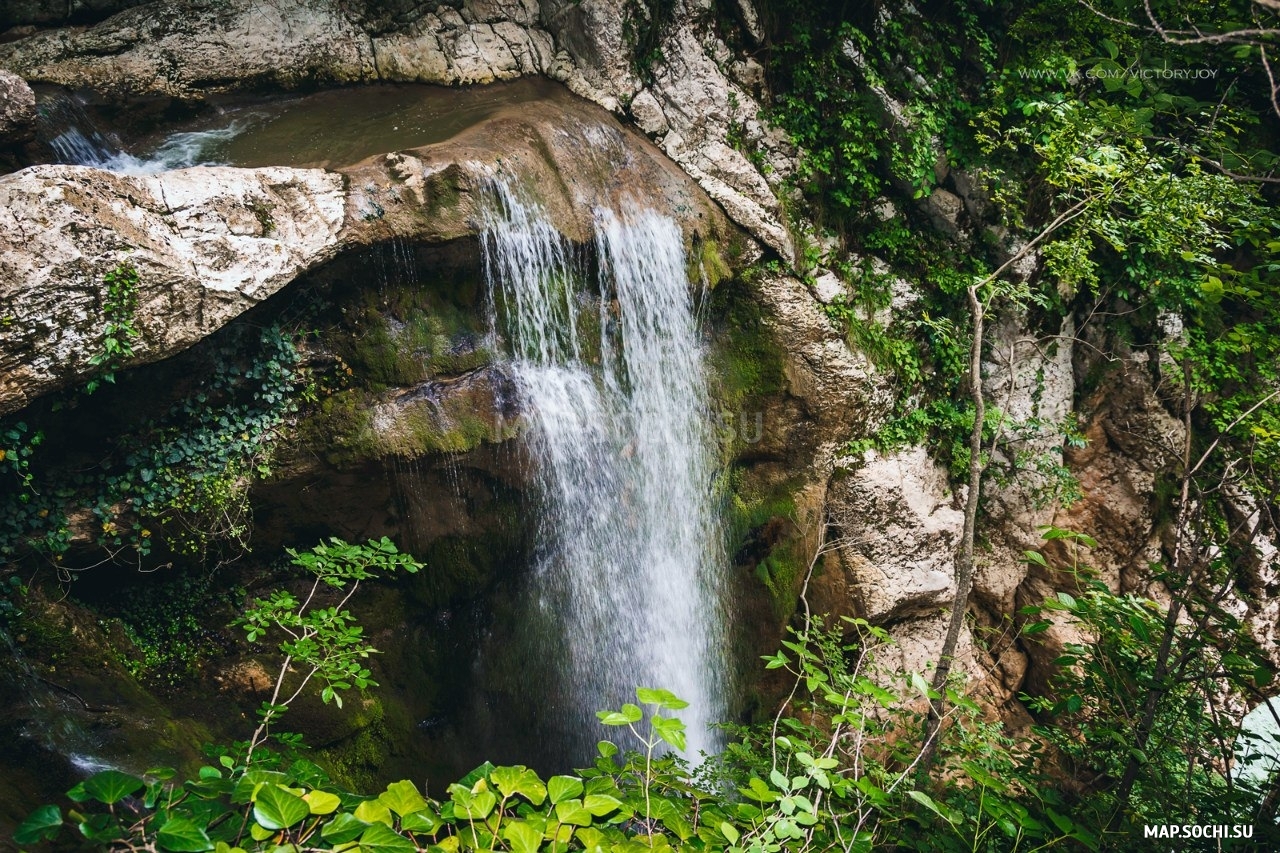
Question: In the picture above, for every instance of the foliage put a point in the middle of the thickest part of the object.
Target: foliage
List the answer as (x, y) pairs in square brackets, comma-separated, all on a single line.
[(118, 331), (182, 476), (323, 643), (1092, 716), (169, 624)]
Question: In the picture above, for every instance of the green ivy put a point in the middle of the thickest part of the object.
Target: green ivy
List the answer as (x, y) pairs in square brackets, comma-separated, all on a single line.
[(118, 331)]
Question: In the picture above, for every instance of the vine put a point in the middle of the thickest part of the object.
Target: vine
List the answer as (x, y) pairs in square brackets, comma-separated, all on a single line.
[(118, 332)]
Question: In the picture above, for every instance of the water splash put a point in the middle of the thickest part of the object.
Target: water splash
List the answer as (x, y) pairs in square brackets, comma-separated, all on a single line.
[(75, 139), (630, 566)]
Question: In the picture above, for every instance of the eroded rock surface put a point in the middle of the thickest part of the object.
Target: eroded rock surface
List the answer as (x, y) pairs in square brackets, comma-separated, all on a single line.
[(699, 88), (208, 243)]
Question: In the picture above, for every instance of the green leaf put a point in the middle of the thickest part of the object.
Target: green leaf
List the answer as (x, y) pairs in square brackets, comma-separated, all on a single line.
[(343, 828), (380, 838), (111, 786), (664, 699), (420, 821), (572, 812), (629, 714), (43, 824), (671, 731), (601, 804), (373, 811), (927, 801), (727, 830), (519, 780), (182, 835), (276, 808), (522, 837), (402, 798), (322, 802), (562, 788)]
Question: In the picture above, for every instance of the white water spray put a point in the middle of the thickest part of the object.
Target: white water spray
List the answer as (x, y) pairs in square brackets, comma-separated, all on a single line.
[(630, 566)]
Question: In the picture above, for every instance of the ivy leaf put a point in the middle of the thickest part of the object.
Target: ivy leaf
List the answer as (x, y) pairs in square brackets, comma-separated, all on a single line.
[(43, 824), (572, 812), (322, 802), (380, 838), (111, 786), (343, 828), (276, 808), (402, 798), (562, 788), (601, 804), (522, 837), (374, 811), (182, 835), (520, 780), (420, 821)]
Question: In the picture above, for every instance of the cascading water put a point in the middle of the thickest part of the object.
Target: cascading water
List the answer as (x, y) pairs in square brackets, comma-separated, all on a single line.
[(630, 563)]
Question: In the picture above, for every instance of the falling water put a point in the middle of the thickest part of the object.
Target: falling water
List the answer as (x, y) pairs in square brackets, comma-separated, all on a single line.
[(630, 563)]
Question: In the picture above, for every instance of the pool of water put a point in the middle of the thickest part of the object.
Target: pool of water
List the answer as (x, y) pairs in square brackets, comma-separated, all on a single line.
[(332, 128)]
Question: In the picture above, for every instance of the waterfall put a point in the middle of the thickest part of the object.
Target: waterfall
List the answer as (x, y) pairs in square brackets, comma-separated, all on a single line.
[(74, 138), (630, 564)]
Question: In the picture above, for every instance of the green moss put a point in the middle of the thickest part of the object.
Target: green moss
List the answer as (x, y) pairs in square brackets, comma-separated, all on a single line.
[(707, 260), (427, 431), (355, 761), (763, 537), (340, 427), (746, 362)]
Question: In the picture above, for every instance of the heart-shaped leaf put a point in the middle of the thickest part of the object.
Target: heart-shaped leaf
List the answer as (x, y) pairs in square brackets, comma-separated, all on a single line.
[(111, 786), (276, 808)]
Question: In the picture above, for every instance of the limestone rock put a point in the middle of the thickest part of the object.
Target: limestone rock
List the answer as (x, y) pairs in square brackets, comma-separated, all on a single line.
[(184, 50), (648, 114), (898, 534), (839, 389), (943, 209), (207, 244), (828, 287), (17, 110)]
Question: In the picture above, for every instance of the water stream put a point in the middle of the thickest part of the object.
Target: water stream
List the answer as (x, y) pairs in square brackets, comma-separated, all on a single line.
[(629, 567)]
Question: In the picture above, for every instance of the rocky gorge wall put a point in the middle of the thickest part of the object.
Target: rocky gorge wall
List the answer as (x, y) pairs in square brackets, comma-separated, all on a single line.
[(890, 523)]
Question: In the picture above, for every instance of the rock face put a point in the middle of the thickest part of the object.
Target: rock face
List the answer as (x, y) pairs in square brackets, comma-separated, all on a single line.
[(899, 529), (17, 110), (698, 91), (208, 243)]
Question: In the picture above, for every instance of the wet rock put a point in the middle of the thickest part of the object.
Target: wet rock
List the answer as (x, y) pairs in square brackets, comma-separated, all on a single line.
[(208, 243), (17, 110)]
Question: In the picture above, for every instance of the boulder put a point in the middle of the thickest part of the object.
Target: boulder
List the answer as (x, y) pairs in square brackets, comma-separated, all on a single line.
[(17, 110), (898, 535), (207, 244)]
